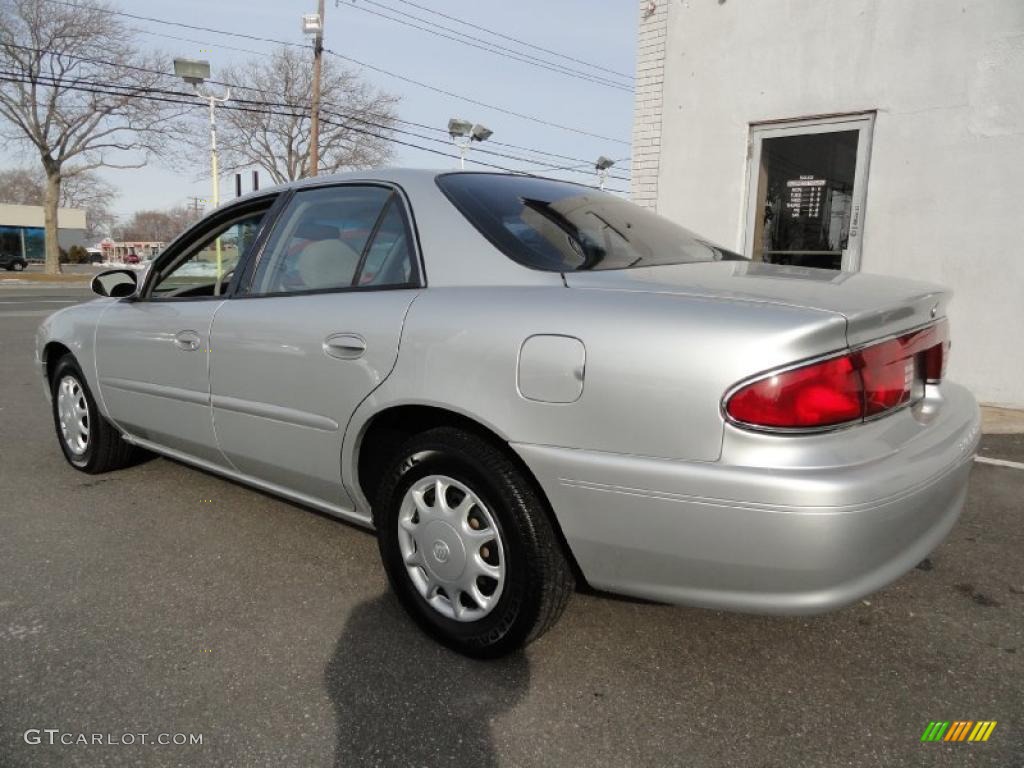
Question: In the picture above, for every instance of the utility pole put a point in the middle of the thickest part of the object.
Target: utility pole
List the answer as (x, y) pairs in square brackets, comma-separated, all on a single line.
[(314, 119)]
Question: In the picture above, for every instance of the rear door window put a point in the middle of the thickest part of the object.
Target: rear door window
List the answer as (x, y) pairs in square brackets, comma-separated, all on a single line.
[(337, 238)]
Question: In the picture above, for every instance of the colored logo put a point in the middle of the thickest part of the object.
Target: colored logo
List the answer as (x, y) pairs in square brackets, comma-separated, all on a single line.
[(959, 730)]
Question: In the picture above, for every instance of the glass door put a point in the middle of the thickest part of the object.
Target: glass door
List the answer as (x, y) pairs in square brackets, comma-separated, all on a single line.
[(805, 191)]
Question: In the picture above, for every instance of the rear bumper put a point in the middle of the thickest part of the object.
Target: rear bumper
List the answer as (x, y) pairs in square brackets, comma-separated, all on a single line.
[(834, 519)]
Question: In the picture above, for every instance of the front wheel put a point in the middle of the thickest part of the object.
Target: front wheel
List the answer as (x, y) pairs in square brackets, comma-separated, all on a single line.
[(18, 266), (90, 443), (468, 546)]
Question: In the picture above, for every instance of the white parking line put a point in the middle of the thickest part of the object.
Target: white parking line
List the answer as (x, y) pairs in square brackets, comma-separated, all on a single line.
[(999, 462)]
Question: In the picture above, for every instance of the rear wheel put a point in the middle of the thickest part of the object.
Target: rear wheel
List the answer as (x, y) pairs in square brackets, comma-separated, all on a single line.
[(467, 544), (18, 266), (90, 443)]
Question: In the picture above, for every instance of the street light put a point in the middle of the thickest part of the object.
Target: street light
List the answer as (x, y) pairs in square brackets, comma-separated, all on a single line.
[(601, 166), (464, 133), (195, 72)]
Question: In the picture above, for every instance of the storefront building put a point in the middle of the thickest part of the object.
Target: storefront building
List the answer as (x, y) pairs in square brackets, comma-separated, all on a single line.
[(22, 230), (130, 252), (850, 135)]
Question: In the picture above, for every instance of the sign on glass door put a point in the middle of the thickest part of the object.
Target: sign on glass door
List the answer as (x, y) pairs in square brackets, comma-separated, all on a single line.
[(806, 188)]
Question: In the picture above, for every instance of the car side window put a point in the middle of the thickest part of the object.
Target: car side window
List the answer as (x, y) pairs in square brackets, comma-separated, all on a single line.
[(336, 238), (389, 256), (208, 266)]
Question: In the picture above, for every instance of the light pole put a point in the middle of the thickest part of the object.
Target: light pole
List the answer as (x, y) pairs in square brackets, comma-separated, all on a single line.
[(313, 24), (194, 72), (464, 133), (601, 166)]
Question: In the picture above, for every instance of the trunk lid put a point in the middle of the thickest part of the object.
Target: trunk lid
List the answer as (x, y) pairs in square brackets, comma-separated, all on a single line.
[(874, 306)]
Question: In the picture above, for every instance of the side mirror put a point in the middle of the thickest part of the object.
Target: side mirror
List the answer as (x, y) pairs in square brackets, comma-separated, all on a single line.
[(116, 283)]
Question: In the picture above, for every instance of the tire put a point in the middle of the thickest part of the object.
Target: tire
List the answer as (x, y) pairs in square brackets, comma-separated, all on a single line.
[(511, 533), (18, 266), (103, 449)]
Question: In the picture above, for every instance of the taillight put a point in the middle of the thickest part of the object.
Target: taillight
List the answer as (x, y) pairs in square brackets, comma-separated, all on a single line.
[(847, 388), (816, 395)]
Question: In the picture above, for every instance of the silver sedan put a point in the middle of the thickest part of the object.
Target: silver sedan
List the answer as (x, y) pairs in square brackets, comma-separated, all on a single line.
[(523, 384)]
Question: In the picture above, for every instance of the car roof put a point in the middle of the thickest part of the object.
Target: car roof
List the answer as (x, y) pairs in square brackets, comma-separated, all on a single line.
[(398, 176), (403, 177)]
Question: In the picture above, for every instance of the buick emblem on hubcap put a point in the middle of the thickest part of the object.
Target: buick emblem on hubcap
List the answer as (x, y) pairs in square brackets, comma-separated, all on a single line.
[(441, 551)]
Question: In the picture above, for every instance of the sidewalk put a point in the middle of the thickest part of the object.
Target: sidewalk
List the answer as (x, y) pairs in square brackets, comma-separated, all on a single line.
[(39, 278), (1001, 421)]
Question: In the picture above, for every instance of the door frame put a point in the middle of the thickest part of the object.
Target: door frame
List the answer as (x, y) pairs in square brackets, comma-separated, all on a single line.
[(863, 122)]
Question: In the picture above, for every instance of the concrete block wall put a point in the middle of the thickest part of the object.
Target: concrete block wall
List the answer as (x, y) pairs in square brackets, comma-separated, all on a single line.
[(650, 75)]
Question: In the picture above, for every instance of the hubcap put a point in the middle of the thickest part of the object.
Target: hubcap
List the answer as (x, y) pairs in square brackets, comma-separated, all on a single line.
[(451, 548), (73, 414)]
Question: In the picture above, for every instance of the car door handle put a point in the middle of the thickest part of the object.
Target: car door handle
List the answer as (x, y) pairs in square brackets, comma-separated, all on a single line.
[(187, 340), (345, 346)]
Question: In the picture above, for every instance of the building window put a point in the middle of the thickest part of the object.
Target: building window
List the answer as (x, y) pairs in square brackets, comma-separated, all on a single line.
[(35, 243), (806, 190), (10, 241)]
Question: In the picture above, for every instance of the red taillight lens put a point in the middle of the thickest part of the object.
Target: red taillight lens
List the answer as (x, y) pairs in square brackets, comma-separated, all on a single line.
[(817, 395), (888, 374), (845, 389), (936, 351)]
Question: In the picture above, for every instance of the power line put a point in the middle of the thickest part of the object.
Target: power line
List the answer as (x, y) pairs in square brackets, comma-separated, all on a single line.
[(503, 110), (263, 102), (148, 92), (420, 84), (390, 117), (338, 113), (513, 39), (494, 48)]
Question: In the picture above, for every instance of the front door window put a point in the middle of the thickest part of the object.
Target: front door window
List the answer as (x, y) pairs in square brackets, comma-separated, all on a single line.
[(209, 265)]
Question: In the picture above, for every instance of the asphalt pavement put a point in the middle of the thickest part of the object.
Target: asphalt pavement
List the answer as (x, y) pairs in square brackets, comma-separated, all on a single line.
[(164, 600)]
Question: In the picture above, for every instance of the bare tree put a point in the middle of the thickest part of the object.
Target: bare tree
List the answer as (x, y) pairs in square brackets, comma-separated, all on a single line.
[(157, 226), (74, 88), (78, 189), (356, 119)]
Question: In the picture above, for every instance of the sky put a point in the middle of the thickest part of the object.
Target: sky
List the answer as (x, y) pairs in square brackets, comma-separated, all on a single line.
[(601, 32)]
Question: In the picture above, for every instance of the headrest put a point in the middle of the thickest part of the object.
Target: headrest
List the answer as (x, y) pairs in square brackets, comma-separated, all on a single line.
[(310, 230)]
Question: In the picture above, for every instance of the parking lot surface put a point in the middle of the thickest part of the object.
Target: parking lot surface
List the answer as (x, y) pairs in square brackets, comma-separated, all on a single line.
[(164, 600)]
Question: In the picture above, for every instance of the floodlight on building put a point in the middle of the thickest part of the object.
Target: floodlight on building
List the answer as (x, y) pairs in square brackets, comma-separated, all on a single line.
[(601, 166)]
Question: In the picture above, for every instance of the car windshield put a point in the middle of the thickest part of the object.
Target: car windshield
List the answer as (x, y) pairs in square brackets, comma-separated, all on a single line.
[(561, 227)]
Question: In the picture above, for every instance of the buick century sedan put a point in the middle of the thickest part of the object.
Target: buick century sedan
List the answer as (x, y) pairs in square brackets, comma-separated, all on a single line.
[(523, 385)]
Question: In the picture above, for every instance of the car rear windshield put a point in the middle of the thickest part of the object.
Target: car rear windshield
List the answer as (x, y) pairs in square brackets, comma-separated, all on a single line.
[(561, 227)]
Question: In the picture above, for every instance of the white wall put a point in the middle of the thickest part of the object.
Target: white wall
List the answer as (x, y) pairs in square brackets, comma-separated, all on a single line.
[(32, 216), (945, 198)]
